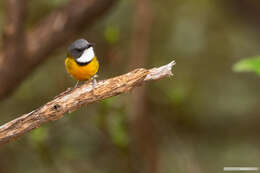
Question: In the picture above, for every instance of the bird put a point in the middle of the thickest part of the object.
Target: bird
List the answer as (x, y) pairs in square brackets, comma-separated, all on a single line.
[(81, 62)]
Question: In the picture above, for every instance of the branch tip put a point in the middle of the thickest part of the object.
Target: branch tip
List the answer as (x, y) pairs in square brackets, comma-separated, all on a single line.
[(160, 72)]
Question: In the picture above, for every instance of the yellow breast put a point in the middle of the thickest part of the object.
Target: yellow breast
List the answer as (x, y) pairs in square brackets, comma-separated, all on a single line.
[(84, 72)]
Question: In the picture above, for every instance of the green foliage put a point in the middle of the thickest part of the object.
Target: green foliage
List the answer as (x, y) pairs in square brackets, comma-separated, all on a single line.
[(39, 135), (178, 94), (112, 121), (117, 130), (110, 102), (248, 65), (112, 34)]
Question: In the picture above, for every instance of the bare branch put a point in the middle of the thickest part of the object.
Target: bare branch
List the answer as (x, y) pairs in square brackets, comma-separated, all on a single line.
[(13, 40), (13, 35), (62, 24), (71, 100)]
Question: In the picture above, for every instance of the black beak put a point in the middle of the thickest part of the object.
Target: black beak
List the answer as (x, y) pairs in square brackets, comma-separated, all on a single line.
[(91, 44)]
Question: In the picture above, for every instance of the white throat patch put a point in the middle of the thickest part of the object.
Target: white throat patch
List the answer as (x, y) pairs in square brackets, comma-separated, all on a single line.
[(87, 55)]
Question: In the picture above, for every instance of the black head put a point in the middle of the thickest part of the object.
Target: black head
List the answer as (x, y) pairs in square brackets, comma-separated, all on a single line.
[(77, 48)]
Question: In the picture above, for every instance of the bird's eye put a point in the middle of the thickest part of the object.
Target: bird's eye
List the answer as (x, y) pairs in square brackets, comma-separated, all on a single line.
[(78, 50)]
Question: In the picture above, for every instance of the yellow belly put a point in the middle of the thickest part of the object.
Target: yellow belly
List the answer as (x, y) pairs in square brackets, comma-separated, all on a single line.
[(84, 72)]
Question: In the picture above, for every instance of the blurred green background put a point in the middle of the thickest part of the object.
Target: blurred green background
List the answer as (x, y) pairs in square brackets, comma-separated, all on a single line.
[(203, 118)]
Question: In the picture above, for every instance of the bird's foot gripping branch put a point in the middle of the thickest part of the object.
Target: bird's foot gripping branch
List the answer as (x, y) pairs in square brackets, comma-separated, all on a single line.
[(79, 96)]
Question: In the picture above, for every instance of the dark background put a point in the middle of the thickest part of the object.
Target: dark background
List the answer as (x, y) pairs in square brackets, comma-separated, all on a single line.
[(203, 118)]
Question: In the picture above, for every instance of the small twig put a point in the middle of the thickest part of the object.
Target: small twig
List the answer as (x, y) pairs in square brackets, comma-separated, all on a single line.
[(71, 100)]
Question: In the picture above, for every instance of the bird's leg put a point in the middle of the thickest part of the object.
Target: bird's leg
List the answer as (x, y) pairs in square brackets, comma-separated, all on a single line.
[(76, 84), (94, 81)]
